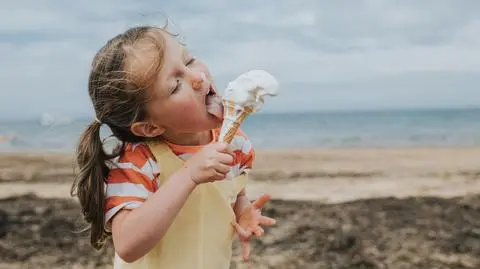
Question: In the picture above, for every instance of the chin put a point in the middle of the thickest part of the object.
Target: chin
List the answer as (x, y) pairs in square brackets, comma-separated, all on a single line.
[(205, 126)]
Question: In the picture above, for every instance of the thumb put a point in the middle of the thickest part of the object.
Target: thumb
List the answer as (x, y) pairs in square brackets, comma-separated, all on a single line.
[(261, 201)]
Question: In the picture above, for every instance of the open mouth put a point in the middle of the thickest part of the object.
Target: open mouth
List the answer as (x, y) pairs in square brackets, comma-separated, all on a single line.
[(213, 102), (211, 91)]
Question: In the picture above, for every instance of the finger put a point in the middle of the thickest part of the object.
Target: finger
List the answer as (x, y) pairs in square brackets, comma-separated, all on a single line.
[(221, 146), (222, 168), (229, 150), (266, 221), (245, 249), (259, 232), (217, 176), (225, 158), (260, 202), (241, 232)]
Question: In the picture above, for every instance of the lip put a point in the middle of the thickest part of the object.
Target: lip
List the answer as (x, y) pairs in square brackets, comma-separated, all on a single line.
[(210, 91), (211, 102)]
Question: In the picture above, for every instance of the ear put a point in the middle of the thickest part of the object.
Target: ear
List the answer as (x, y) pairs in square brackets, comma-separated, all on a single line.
[(146, 129)]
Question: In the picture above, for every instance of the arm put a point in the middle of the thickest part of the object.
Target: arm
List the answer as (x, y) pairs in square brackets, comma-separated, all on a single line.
[(136, 232)]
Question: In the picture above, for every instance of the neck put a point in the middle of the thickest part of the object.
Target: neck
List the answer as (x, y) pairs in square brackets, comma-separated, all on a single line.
[(189, 139)]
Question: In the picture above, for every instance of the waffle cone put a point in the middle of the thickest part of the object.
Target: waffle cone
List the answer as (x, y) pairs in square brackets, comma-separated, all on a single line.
[(234, 116)]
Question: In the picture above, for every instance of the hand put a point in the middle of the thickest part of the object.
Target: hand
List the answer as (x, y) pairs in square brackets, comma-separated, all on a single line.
[(211, 163), (249, 221)]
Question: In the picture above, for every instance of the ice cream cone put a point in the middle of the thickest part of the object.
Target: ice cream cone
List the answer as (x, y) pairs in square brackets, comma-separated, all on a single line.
[(234, 115)]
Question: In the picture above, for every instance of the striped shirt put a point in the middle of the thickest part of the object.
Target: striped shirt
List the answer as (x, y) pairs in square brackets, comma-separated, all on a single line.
[(134, 175)]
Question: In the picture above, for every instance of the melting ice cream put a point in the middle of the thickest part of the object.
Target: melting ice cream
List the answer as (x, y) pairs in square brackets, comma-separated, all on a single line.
[(244, 96)]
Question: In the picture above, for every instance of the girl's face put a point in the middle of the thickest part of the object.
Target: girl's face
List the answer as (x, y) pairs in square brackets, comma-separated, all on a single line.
[(179, 103)]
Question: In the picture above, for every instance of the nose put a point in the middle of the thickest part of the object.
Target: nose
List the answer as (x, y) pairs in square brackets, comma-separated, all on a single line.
[(197, 79)]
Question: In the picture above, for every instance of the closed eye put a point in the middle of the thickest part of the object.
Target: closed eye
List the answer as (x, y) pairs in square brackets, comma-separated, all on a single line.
[(191, 61), (177, 86)]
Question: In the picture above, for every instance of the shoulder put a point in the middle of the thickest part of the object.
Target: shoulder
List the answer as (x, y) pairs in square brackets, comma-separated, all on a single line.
[(131, 180), (136, 149), (136, 162)]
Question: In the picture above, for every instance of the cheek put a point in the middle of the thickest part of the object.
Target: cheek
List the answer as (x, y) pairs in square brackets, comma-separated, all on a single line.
[(188, 103), (175, 111), (187, 108)]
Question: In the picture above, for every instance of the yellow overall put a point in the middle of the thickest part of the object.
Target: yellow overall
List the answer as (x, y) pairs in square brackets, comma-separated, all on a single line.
[(201, 235)]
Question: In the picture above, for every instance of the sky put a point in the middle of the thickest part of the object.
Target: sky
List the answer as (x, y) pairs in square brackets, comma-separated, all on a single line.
[(326, 55)]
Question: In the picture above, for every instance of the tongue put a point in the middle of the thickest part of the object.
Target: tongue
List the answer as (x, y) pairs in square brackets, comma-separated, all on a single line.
[(215, 106)]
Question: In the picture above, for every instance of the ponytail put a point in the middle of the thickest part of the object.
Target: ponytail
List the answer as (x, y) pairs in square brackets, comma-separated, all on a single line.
[(89, 183), (118, 93)]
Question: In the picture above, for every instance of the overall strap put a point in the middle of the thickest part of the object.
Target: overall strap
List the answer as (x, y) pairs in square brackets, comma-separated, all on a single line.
[(166, 159)]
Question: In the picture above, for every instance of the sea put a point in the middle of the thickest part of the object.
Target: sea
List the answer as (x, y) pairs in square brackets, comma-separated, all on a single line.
[(308, 130)]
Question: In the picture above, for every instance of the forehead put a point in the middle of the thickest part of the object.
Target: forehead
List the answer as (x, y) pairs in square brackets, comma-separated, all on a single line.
[(172, 64), (173, 57), (173, 48)]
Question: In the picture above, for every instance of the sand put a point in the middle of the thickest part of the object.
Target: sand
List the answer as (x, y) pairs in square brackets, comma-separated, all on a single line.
[(330, 176), (342, 208)]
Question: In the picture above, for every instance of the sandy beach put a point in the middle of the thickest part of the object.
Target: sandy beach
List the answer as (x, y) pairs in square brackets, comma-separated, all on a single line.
[(342, 208), (329, 176)]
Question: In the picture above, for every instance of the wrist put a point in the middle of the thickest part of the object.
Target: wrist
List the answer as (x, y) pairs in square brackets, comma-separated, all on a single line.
[(187, 177)]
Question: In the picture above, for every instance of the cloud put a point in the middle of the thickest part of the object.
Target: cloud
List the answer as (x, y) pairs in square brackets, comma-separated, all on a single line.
[(336, 54)]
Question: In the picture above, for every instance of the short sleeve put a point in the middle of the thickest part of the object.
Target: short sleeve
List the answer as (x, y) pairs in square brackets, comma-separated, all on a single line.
[(132, 179)]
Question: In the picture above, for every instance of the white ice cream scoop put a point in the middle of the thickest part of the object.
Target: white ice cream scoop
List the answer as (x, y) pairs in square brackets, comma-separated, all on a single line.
[(250, 88), (244, 96)]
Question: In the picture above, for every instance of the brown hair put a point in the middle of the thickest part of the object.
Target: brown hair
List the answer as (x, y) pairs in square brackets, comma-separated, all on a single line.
[(121, 73)]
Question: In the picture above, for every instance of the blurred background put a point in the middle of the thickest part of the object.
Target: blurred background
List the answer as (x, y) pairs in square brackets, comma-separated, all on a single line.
[(371, 149)]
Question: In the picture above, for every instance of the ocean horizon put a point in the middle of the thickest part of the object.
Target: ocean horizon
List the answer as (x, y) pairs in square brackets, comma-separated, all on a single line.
[(299, 130)]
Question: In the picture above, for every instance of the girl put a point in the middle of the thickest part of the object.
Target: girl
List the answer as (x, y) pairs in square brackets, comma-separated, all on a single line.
[(171, 196)]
